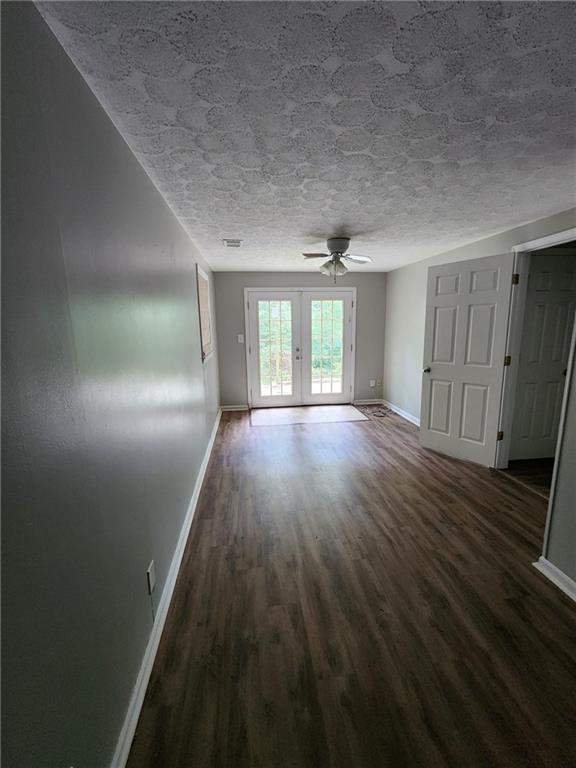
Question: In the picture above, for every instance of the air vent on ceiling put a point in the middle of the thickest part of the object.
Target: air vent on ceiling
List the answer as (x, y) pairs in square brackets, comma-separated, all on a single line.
[(230, 242)]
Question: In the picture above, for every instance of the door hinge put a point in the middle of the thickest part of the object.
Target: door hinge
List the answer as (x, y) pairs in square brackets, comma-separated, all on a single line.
[(508, 360), (249, 349), (515, 278), (500, 436)]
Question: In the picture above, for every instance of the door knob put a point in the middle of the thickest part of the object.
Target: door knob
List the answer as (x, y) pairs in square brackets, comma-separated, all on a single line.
[(426, 370)]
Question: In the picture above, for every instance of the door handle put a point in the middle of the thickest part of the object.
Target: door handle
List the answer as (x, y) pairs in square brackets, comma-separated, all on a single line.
[(426, 370)]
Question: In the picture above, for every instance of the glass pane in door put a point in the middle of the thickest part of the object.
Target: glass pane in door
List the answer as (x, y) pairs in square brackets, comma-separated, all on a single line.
[(275, 347), (327, 334)]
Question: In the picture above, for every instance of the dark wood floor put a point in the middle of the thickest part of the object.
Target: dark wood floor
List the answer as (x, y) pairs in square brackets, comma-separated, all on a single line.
[(535, 473), (349, 600)]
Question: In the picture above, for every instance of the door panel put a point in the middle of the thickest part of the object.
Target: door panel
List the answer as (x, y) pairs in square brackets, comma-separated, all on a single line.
[(445, 319), (546, 334), (465, 336), (440, 406), (274, 321), (326, 347)]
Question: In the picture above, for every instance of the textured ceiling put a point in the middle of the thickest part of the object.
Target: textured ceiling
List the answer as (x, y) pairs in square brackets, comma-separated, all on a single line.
[(414, 127)]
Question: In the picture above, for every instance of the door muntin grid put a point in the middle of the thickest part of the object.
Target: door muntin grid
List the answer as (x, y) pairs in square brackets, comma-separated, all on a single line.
[(275, 371), (327, 346)]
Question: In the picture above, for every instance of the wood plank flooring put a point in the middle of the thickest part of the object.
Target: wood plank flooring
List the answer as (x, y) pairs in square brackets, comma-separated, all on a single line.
[(350, 600)]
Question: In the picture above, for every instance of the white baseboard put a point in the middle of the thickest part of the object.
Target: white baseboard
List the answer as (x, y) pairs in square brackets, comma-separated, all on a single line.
[(133, 713), (556, 576), (405, 415), (377, 401), (233, 407)]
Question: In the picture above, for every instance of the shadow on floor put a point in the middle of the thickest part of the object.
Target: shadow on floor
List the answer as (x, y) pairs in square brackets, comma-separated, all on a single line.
[(534, 473)]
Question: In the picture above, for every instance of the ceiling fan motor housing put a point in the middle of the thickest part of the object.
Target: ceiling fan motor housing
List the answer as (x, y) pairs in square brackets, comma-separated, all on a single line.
[(338, 244)]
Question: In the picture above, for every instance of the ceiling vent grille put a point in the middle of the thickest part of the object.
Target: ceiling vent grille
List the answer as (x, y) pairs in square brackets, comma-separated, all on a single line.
[(231, 242)]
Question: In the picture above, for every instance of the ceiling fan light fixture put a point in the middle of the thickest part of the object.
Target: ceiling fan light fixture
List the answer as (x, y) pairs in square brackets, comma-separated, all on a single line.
[(340, 268), (333, 268)]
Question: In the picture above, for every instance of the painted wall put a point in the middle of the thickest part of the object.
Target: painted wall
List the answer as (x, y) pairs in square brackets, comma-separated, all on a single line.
[(561, 549), (107, 407), (229, 292), (406, 305)]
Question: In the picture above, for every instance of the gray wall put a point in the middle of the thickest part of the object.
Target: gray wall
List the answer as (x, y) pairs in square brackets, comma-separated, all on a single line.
[(561, 549), (107, 407), (406, 304), (229, 292)]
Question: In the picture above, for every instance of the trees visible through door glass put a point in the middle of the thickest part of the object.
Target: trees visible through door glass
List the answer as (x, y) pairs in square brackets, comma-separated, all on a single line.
[(327, 332), (275, 347)]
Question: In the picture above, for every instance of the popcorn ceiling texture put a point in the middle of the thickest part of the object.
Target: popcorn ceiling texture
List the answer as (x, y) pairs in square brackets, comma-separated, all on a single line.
[(414, 127)]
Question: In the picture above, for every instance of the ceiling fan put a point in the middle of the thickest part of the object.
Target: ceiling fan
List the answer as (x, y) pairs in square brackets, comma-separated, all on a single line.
[(337, 247)]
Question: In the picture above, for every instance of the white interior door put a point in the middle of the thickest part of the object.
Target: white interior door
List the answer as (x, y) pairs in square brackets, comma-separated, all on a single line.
[(274, 348), (327, 345), (467, 311), (546, 334), (300, 347)]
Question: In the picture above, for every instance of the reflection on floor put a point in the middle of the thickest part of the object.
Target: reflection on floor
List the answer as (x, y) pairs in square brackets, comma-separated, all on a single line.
[(311, 414), (534, 473)]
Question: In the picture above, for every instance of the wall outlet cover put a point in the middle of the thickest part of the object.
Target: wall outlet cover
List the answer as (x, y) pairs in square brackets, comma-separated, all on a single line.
[(372, 382), (240, 338)]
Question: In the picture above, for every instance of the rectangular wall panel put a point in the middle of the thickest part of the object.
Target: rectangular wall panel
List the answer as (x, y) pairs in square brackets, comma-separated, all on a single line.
[(480, 334), (474, 410), (440, 406), (443, 349), (483, 280)]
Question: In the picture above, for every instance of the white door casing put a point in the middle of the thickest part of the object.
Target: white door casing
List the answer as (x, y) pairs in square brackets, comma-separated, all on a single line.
[(298, 388), (547, 330), (467, 311)]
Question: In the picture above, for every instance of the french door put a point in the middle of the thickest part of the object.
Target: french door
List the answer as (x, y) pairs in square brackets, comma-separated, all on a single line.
[(300, 346)]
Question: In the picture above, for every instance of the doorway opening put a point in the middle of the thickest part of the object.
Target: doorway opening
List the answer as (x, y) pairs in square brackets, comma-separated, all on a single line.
[(300, 346), (541, 340)]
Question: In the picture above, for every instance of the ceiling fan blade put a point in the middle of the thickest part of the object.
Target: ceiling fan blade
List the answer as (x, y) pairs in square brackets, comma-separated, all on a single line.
[(316, 255), (357, 259)]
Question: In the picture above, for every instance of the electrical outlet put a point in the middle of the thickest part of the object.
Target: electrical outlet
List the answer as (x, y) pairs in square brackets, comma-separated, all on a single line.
[(240, 338), (151, 577), (372, 382), (378, 382)]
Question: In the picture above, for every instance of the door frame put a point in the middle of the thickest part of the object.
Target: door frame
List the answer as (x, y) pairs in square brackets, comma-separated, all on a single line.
[(514, 335), (272, 289)]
